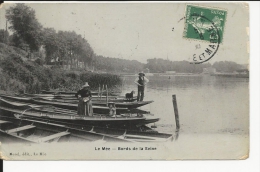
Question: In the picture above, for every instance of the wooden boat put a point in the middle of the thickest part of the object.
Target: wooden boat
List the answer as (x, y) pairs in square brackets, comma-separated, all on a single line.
[(129, 105), (123, 121), (70, 97), (17, 98), (110, 98), (13, 130), (57, 92), (65, 96), (73, 106), (73, 93), (118, 99), (90, 133), (103, 103), (66, 105), (135, 133)]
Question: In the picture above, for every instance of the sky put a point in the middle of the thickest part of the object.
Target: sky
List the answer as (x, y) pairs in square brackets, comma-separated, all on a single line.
[(140, 31)]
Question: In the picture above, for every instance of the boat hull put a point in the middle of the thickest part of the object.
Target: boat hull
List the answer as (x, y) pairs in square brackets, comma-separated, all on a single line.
[(38, 131), (73, 93), (128, 105), (72, 106), (101, 121), (40, 112), (85, 133), (65, 105)]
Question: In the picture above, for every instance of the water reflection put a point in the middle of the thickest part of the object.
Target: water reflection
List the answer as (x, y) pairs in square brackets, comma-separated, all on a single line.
[(188, 82), (207, 104)]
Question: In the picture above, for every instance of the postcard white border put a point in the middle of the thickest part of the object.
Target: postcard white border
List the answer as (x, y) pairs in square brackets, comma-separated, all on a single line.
[(251, 164)]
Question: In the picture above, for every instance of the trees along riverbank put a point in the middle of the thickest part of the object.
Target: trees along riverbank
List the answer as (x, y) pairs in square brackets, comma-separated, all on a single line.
[(19, 75)]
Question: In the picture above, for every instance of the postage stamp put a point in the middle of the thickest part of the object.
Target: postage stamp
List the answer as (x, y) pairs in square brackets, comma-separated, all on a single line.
[(201, 21), (207, 25)]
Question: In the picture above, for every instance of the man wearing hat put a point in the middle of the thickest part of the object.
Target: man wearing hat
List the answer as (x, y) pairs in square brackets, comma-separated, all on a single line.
[(85, 103), (141, 81)]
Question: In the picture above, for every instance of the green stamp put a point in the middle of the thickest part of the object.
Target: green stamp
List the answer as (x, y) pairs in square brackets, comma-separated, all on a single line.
[(203, 23)]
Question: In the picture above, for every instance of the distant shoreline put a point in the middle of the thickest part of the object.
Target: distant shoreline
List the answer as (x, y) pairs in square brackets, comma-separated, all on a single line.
[(231, 75), (164, 74)]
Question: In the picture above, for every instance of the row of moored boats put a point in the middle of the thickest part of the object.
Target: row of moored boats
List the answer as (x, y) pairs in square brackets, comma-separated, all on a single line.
[(52, 117)]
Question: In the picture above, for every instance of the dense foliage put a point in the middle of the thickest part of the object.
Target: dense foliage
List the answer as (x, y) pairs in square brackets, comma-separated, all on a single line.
[(161, 65), (59, 47), (227, 66), (25, 26), (68, 47), (117, 65), (4, 36), (29, 76), (29, 35)]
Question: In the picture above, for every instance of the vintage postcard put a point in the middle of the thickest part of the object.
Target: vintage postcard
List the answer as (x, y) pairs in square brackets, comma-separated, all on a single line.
[(124, 81)]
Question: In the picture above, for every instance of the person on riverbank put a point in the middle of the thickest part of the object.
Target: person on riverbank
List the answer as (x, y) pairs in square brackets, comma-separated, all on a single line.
[(85, 103), (141, 81)]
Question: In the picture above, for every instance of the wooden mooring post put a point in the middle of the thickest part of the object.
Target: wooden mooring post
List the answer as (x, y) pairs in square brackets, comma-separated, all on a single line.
[(107, 95), (176, 113), (98, 90), (101, 92)]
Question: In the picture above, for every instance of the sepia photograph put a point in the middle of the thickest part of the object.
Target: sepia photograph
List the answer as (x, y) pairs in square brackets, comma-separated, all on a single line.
[(124, 81)]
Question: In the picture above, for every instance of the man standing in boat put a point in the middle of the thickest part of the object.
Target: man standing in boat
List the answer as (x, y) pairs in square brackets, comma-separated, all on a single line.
[(141, 81), (85, 103)]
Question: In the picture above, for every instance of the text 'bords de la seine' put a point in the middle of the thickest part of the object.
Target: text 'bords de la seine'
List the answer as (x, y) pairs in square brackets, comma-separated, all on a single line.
[(125, 148)]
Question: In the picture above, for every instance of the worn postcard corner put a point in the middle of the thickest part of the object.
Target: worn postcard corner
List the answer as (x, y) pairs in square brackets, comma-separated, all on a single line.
[(244, 157), (2, 5), (246, 5), (3, 157)]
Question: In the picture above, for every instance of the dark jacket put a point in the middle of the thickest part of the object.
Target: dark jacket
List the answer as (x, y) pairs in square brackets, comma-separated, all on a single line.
[(141, 81), (83, 93)]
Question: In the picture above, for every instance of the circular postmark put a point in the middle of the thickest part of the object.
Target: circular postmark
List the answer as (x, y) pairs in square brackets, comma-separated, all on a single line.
[(206, 31), (204, 26)]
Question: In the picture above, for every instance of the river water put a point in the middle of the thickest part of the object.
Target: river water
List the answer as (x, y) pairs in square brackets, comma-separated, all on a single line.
[(211, 108)]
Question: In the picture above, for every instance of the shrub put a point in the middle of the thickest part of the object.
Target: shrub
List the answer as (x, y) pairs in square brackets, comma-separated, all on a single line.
[(19, 75)]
